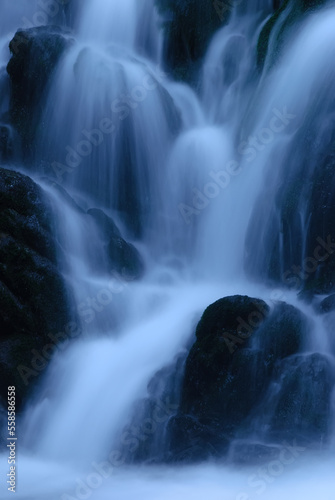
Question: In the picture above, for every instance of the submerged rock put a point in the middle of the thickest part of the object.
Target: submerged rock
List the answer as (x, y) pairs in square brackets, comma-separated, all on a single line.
[(123, 257), (301, 407), (146, 431)]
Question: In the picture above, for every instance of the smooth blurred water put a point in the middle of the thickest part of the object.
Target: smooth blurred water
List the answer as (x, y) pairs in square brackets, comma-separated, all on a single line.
[(177, 171), (301, 479)]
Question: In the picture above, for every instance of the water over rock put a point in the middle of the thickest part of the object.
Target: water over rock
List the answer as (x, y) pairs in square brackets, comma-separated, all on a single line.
[(300, 408), (287, 17), (34, 297), (240, 348), (327, 305), (299, 227), (189, 27), (124, 258), (35, 54)]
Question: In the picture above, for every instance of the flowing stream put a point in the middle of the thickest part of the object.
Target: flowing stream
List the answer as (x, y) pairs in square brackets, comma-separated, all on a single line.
[(185, 199)]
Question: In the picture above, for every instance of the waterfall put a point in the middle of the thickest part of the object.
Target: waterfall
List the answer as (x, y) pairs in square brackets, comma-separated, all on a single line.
[(193, 181)]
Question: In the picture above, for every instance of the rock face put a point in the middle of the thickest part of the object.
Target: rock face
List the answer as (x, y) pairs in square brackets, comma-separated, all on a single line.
[(299, 251), (295, 218), (189, 27), (35, 54), (301, 408), (34, 299)]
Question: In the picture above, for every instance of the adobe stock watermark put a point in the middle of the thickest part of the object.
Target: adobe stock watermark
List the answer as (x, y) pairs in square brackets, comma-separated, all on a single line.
[(296, 275), (121, 108), (249, 149), (49, 9), (267, 474), (247, 326), (87, 310), (132, 439), (293, 277), (222, 8)]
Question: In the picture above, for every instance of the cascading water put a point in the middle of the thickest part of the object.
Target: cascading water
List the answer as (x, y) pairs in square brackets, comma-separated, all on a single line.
[(182, 174)]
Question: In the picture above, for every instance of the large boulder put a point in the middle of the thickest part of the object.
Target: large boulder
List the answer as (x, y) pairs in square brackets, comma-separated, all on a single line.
[(246, 370), (239, 350), (223, 331), (35, 54), (34, 298), (214, 397)]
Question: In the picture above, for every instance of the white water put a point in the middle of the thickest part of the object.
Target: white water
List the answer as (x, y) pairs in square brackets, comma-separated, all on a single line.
[(302, 479), (90, 388)]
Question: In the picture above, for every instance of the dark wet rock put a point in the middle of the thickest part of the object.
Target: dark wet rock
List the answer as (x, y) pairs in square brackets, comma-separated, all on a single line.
[(192, 441), (216, 394), (189, 27), (6, 142), (33, 294), (64, 194), (327, 305), (299, 252), (106, 224), (35, 54), (146, 432), (252, 453), (124, 258), (224, 329), (283, 333), (240, 348), (264, 37), (300, 407)]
